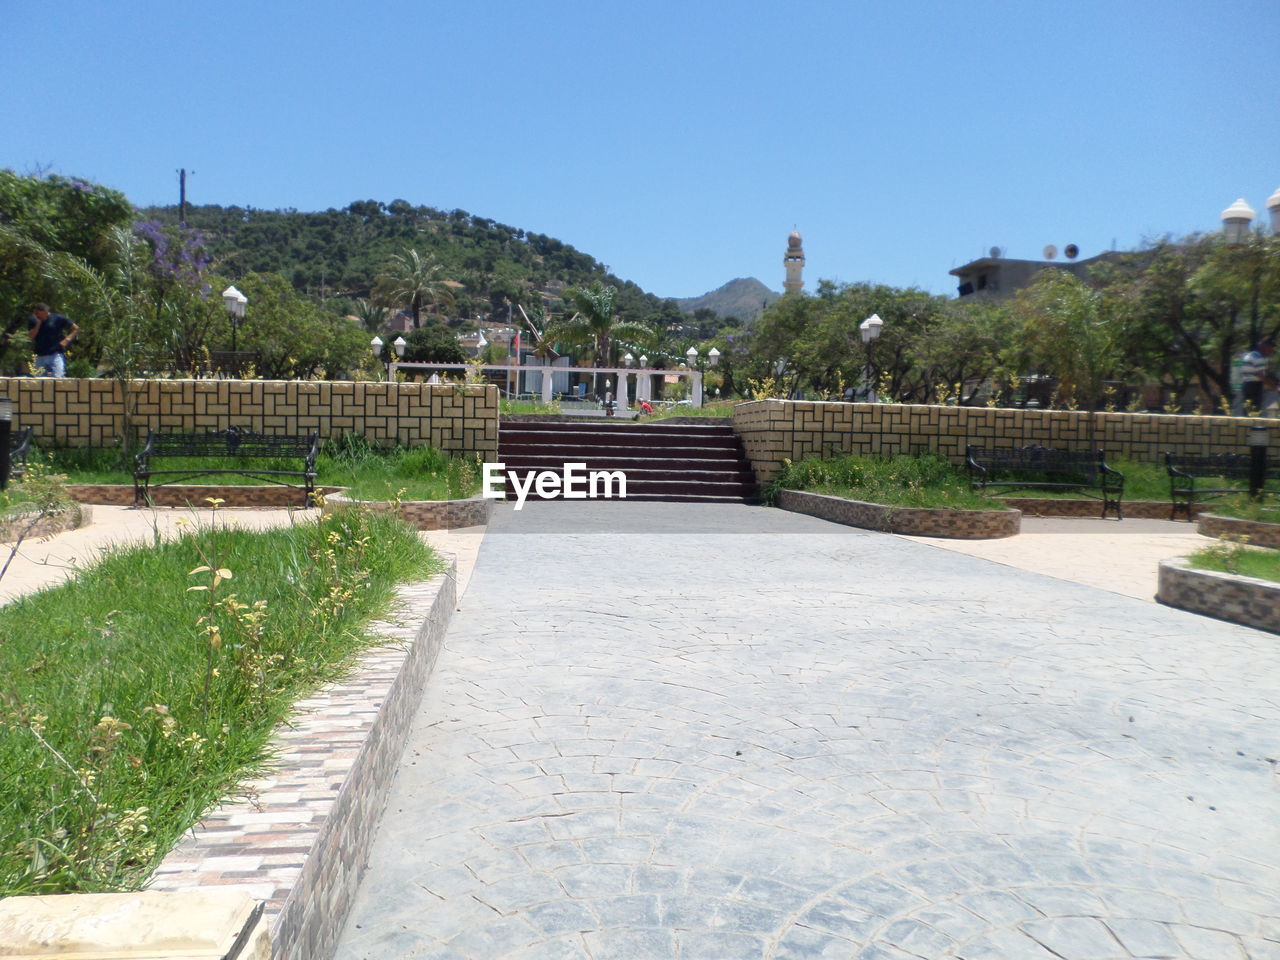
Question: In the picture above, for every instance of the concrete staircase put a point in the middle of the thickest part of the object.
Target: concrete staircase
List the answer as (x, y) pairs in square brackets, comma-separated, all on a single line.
[(680, 462)]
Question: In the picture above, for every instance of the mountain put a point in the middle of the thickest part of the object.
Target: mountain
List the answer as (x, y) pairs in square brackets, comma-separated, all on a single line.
[(744, 298), (337, 254)]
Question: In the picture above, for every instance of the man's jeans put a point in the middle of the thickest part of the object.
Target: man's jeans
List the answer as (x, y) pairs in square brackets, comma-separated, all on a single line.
[(52, 365)]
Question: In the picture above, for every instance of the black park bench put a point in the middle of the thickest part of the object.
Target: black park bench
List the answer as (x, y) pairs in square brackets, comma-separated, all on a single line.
[(1041, 468), (19, 448), (234, 451), (1223, 474)]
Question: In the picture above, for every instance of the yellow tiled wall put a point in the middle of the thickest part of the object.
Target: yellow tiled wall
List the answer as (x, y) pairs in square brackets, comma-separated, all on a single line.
[(772, 430), (92, 413)]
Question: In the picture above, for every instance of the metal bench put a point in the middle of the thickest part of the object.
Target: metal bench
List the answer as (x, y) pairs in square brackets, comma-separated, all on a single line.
[(1041, 468), (230, 451), (19, 448), (1186, 470)]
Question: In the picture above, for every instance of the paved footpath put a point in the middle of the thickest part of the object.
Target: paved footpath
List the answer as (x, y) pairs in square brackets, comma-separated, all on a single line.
[(652, 734)]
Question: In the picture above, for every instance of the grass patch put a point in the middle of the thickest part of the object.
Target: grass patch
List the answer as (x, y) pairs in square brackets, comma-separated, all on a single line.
[(138, 696), (402, 473), (372, 473), (1239, 559), (905, 481), (1243, 508)]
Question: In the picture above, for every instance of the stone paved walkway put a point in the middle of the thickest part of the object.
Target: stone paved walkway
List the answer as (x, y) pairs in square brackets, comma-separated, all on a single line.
[(813, 741)]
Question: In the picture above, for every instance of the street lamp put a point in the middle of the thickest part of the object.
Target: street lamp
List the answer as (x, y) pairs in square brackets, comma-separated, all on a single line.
[(870, 329), (628, 359), (235, 302), (6, 425), (644, 361), (399, 345)]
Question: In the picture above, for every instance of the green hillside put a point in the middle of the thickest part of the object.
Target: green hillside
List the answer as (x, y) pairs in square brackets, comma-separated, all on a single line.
[(339, 253)]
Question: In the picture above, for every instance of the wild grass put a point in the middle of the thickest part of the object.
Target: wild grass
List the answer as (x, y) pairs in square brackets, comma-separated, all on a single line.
[(1243, 508), (136, 697), (1235, 557), (903, 481), (401, 473)]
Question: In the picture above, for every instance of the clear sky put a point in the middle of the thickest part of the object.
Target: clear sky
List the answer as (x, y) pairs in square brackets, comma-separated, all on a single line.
[(677, 142)]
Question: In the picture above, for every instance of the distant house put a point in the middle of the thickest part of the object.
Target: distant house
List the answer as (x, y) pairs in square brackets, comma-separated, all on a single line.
[(401, 323), (998, 277)]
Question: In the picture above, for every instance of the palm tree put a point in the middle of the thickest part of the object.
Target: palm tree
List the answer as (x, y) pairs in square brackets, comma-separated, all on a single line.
[(595, 324), (415, 278), (374, 316)]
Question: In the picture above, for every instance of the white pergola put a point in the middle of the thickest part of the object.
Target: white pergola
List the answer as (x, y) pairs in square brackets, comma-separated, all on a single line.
[(620, 376)]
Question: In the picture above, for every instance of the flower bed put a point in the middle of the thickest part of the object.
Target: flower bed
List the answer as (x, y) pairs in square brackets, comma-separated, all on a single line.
[(1256, 533), (912, 521), (427, 514), (1227, 596)]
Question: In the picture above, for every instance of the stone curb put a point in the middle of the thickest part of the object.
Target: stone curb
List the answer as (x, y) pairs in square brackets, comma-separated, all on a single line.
[(909, 521), (1227, 596), (426, 514), (183, 495), (1254, 532), (301, 840)]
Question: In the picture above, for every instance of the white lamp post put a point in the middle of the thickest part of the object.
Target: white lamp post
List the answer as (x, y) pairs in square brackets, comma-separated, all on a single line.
[(713, 356), (1235, 221), (644, 361), (628, 359), (235, 302), (6, 425), (870, 329)]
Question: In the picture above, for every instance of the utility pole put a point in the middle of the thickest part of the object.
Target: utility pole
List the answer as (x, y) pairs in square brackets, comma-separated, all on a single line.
[(182, 196)]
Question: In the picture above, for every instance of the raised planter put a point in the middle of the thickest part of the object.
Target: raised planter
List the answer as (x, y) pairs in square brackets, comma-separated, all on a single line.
[(1227, 596), (911, 521), (1256, 533), (72, 517), (1053, 507), (196, 495), (426, 514), (301, 840)]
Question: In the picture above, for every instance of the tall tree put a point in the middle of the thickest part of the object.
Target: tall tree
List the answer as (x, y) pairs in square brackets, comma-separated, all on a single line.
[(416, 279), (595, 324)]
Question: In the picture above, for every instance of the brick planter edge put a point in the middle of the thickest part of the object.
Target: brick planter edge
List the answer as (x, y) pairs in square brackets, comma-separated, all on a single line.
[(1227, 596), (911, 521), (1254, 532), (300, 842)]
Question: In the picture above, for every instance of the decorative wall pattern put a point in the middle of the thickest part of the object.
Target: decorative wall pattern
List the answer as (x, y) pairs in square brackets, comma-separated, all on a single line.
[(773, 430), (92, 413)]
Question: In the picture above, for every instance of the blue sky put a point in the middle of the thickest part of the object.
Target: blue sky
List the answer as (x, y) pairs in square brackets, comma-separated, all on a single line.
[(677, 142)]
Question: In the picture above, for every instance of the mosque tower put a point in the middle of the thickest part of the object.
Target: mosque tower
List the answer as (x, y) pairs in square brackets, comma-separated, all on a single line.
[(794, 262)]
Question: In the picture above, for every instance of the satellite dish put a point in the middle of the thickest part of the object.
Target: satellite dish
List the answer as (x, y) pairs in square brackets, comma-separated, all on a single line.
[(994, 253), (1050, 252), (1071, 251)]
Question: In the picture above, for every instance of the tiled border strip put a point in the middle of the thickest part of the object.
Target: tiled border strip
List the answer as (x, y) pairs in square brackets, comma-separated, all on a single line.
[(1254, 532), (1247, 600), (301, 841), (911, 521)]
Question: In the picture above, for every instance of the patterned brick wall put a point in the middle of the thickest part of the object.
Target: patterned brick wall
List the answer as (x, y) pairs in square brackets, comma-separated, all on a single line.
[(772, 430), (91, 413)]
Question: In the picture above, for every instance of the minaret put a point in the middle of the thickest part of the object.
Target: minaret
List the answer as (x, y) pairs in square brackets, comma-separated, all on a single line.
[(794, 262)]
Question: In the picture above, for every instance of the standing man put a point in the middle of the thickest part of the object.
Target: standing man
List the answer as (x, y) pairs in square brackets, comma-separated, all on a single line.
[(50, 333), (1253, 371)]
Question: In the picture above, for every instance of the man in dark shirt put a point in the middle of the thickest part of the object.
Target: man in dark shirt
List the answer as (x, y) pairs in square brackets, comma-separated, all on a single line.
[(50, 333)]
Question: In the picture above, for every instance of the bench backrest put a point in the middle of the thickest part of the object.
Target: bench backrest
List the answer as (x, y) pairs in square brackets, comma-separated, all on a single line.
[(240, 444), (1232, 465), (1036, 459), (20, 442)]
